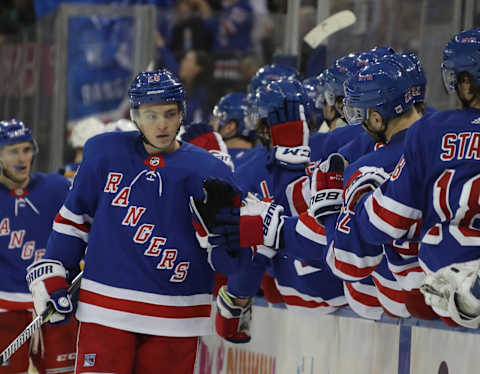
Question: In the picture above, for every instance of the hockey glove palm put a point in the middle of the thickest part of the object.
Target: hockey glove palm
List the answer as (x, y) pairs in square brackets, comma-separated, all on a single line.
[(288, 126), (232, 322), (47, 282), (219, 196)]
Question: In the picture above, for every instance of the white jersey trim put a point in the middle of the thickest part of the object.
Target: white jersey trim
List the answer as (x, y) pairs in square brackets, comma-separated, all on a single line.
[(145, 297), (144, 324)]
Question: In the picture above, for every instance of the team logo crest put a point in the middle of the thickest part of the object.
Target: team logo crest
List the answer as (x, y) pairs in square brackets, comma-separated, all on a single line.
[(89, 359), (18, 192), (154, 162)]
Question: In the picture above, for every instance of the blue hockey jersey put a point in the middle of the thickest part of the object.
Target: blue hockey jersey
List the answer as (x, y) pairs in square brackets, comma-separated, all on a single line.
[(306, 286), (328, 143), (144, 269), (359, 146), (26, 217), (353, 259), (434, 191)]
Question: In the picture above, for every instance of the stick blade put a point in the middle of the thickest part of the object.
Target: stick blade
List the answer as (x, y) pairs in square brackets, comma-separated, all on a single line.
[(329, 26)]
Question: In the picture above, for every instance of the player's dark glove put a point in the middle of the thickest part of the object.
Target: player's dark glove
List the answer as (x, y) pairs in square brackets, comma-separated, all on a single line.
[(220, 195), (327, 186), (288, 126), (216, 220)]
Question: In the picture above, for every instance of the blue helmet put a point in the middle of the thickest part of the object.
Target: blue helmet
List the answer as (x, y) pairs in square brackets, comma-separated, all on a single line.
[(14, 131), (383, 86), (159, 86), (266, 98), (381, 51), (270, 73), (411, 64), (291, 87), (461, 54), (233, 107), (340, 71), (312, 89)]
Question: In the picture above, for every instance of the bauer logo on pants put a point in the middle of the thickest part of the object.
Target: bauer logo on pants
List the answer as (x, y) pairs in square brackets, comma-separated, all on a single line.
[(89, 360)]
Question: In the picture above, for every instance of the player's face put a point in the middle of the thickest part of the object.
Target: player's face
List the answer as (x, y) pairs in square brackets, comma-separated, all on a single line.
[(339, 105), (16, 162), (159, 123), (464, 87), (328, 111), (373, 125)]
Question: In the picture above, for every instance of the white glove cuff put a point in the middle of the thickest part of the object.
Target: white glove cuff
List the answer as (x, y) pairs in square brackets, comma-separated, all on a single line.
[(293, 155)]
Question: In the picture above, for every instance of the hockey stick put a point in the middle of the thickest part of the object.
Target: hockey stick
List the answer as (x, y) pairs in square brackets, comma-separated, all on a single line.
[(329, 26), (36, 324)]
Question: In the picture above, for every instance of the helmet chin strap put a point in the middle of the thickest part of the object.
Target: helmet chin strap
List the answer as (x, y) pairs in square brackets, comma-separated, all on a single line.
[(146, 141)]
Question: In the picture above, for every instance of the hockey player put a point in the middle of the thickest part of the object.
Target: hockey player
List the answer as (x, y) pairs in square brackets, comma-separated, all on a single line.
[(229, 120), (29, 203), (365, 143), (314, 88), (341, 70), (432, 192), (385, 86), (303, 286), (146, 288)]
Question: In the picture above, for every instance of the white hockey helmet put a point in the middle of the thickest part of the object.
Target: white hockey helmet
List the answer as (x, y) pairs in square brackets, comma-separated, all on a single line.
[(121, 125), (84, 130)]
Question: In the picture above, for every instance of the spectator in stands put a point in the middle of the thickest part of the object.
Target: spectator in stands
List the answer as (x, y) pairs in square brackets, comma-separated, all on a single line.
[(233, 28), (14, 16), (196, 69), (188, 31)]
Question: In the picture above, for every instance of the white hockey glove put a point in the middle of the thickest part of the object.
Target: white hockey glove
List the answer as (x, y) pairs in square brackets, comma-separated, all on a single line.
[(292, 158), (327, 186), (47, 282), (364, 180), (450, 290), (260, 223), (232, 322)]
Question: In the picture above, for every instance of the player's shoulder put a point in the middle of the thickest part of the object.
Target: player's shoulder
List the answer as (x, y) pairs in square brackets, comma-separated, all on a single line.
[(198, 157), (344, 130), (111, 142), (50, 181), (255, 159), (430, 128)]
